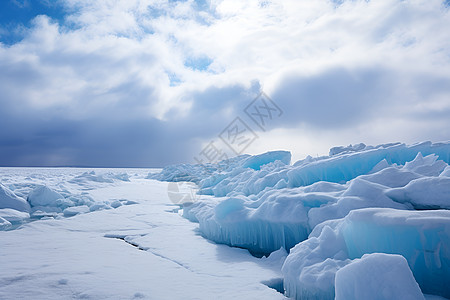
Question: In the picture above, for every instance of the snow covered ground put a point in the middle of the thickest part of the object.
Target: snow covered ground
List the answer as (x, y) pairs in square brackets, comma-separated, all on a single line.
[(143, 250), (362, 223)]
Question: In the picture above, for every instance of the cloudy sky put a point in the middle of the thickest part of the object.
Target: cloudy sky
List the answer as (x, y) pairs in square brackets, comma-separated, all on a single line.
[(147, 83)]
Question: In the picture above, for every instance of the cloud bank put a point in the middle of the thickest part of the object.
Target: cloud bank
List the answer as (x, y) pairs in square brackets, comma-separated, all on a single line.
[(148, 83)]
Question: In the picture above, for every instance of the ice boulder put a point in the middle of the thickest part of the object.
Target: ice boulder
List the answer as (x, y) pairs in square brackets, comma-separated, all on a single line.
[(116, 204), (9, 200), (377, 276), (309, 270), (427, 166), (44, 196), (421, 237)]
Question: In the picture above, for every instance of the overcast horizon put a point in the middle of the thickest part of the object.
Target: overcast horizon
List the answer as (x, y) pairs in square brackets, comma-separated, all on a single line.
[(154, 82)]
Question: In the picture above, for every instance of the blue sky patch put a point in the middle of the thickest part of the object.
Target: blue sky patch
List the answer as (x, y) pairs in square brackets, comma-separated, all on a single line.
[(16, 15), (198, 63)]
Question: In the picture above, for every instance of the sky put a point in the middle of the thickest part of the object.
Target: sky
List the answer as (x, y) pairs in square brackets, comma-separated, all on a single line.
[(147, 83)]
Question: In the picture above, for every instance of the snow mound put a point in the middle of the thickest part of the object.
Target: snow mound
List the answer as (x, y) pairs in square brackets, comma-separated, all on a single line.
[(421, 237), (9, 200), (377, 276)]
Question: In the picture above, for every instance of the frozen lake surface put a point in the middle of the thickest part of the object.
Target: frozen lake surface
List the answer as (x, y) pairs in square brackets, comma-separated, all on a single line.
[(143, 250)]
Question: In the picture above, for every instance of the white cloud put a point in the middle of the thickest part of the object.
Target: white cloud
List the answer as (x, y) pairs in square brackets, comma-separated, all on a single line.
[(383, 65)]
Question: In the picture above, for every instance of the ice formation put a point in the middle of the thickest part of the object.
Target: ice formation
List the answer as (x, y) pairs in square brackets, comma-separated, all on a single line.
[(377, 276), (44, 196), (233, 176), (21, 202), (421, 237), (319, 204), (282, 216), (87, 177), (9, 200)]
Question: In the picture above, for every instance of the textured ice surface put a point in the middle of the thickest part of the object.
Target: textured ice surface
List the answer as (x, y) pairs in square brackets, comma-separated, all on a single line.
[(255, 162), (422, 237), (55, 193), (44, 196), (283, 217), (424, 193), (377, 276), (100, 255), (342, 168), (250, 175)]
